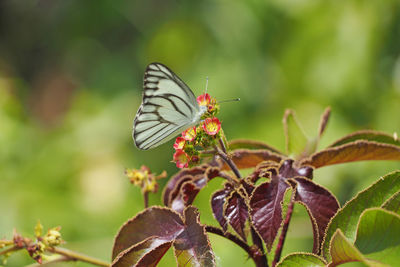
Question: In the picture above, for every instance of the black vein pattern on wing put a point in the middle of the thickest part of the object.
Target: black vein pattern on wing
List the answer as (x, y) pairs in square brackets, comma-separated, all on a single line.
[(158, 136), (167, 76), (150, 127), (151, 83), (159, 119), (167, 97)]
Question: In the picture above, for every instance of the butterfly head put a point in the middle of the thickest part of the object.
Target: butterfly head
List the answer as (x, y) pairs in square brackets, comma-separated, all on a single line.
[(208, 105)]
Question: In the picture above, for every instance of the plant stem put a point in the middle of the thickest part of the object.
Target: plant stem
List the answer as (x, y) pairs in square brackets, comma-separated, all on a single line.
[(11, 249), (4, 242), (50, 262), (258, 259), (257, 242), (282, 237), (222, 144), (231, 237), (228, 177), (228, 161), (74, 256)]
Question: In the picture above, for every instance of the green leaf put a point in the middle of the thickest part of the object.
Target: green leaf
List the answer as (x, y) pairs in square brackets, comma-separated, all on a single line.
[(354, 151), (296, 140), (343, 251), (378, 236), (393, 203), (347, 217), (301, 260), (368, 135)]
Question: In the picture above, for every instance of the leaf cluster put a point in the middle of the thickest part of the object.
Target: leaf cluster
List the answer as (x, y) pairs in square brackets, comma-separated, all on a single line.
[(255, 211)]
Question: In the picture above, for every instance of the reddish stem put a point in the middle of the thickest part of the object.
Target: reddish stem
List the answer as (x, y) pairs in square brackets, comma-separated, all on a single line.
[(262, 258), (11, 249), (282, 237), (258, 258), (146, 199), (228, 161), (231, 237)]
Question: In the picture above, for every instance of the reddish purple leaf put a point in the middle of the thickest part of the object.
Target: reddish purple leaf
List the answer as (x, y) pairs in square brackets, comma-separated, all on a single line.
[(192, 247), (287, 170), (185, 197), (354, 151), (217, 205), (172, 187), (321, 206), (182, 189), (251, 144), (145, 254), (265, 169), (266, 209), (246, 158), (143, 240), (236, 212), (157, 222), (368, 135), (247, 186)]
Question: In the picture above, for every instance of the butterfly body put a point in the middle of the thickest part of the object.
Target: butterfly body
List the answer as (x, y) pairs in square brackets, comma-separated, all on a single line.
[(168, 108)]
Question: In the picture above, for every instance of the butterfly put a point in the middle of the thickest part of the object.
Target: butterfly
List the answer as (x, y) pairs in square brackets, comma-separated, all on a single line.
[(168, 108)]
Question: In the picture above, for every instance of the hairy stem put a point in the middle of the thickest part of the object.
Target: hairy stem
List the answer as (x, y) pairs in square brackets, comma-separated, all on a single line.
[(222, 144), (259, 260), (227, 177), (231, 237), (228, 161), (50, 262), (11, 249), (282, 237), (4, 242), (258, 242), (74, 256)]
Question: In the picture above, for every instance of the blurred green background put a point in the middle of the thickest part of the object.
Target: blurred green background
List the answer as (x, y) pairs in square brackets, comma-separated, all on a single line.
[(71, 82)]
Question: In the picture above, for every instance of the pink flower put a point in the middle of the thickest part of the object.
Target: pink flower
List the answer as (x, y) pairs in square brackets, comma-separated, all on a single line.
[(189, 134), (204, 99), (212, 126), (181, 159), (179, 143)]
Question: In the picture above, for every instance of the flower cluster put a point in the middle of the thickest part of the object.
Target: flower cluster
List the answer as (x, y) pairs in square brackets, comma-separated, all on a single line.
[(210, 103), (202, 136), (37, 247), (144, 179)]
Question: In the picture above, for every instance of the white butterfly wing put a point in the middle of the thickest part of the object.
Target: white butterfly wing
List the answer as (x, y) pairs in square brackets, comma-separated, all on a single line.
[(168, 108)]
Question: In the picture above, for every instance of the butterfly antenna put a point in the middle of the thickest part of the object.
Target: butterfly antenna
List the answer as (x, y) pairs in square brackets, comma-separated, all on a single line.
[(206, 85), (229, 100)]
